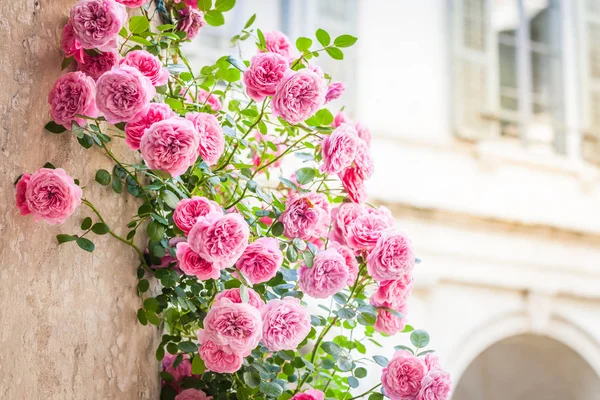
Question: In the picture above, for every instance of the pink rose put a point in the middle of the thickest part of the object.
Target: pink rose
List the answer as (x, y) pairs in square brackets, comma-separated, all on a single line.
[(388, 323), (354, 185), (134, 130), (132, 3), (98, 63), (366, 230), (339, 149), (285, 324), (343, 216), (235, 295), (170, 145), (363, 164), (383, 212), (306, 216), (191, 263), (70, 45), (327, 276), (311, 394), (218, 360), (350, 260), (298, 96), (265, 72), (52, 195), (334, 91), (364, 133), (220, 239), (188, 211), (235, 326), (149, 65), (191, 21), (402, 377), (183, 370), (21, 200), (73, 94), (192, 394), (210, 135), (436, 385), (97, 23), (261, 260), (191, 3), (205, 97), (340, 118), (432, 361), (278, 42), (393, 294), (123, 93), (392, 258)]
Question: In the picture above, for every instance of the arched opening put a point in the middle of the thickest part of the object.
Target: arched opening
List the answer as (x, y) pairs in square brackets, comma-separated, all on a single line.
[(527, 367)]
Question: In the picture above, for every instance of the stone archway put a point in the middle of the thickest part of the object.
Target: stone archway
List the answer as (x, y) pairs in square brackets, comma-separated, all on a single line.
[(526, 367)]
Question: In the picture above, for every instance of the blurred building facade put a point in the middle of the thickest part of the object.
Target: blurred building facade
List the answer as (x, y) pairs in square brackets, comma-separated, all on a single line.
[(485, 116)]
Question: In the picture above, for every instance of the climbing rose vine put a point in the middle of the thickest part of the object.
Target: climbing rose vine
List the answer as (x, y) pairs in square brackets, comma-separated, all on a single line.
[(234, 244)]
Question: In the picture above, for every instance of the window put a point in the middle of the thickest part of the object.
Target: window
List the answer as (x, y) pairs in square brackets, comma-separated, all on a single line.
[(591, 81)]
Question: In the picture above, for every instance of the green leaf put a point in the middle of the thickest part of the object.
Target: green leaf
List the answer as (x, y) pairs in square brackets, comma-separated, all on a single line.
[(204, 5), (335, 53), (151, 304), (175, 104), (261, 38), (85, 244), (155, 231), (138, 24), (141, 40), (250, 21), (86, 141), (325, 117), (381, 360), (100, 228), (353, 382), (188, 347), (277, 229), (360, 372), (346, 313), (366, 319), (49, 166), (292, 254), (376, 396), (272, 389), (103, 177), (170, 198), (308, 258), (141, 315), (419, 338), (402, 347), (54, 127), (143, 285), (305, 175), (303, 43), (165, 27), (344, 363), (63, 238), (214, 18), (331, 348), (236, 63), (152, 318), (117, 185), (345, 41), (422, 353), (198, 366), (252, 379), (86, 223), (323, 37), (408, 328), (66, 62), (224, 5)]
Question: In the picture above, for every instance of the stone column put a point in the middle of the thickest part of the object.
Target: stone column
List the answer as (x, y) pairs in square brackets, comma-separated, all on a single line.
[(68, 328)]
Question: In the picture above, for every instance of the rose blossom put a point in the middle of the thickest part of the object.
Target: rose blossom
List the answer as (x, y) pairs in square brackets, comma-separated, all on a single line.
[(394, 293), (191, 21), (97, 64), (191, 3), (21, 188), (343, 216), (265, 72), (261, 260), (219, 238), (218, 360), (391, 258), (327, 276), (334, 91), (149, 65), (184, 369), (432, 361), (354, 185), (73, 94), (363, 164), (350, 260), (298, 96), (70, 46), (305, 216), (364, 133), (191, 263), (52, 195), (340, 118), (285, 324), (188, 211), (97, 23), (170, 145), (132, 3), (388, 323), (123, 93), (311, 394), (436, 385), (364, 232), (134, 130), (339, 149), (278, 42), (210, 136), (208, 98), (402, 377), (235, 295), (235, 326), (192, 394)]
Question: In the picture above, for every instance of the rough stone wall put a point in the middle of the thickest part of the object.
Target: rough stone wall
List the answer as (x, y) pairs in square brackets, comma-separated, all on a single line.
[(67, 318)]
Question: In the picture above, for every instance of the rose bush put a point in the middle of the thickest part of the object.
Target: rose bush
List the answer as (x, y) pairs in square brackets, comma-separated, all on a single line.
[(235, 245)]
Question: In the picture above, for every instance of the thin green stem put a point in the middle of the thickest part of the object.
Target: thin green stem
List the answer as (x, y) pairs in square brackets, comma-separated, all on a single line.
[(365, 393)]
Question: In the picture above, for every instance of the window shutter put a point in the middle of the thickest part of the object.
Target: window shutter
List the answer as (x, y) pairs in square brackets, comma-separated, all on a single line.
[(591, 66), (475, 82)]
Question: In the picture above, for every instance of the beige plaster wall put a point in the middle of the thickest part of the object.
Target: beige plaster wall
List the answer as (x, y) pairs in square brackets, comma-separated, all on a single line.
[(67, 318)]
